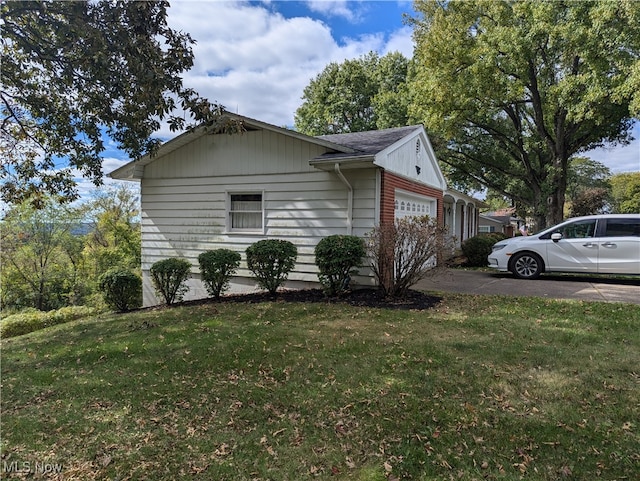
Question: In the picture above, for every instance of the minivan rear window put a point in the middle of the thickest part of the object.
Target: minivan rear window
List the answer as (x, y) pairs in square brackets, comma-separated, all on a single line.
[(622, 228)]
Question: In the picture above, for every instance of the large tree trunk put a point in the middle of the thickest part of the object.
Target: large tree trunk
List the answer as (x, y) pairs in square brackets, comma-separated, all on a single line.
[(555, 211), (558, 181), (532, 204)]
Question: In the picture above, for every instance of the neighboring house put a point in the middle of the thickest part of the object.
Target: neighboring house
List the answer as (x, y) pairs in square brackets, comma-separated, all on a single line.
[(500, 221), (490, 224), (204, 191)]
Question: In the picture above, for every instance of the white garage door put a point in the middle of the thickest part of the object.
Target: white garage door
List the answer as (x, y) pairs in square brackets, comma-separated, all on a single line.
[(409, 205)]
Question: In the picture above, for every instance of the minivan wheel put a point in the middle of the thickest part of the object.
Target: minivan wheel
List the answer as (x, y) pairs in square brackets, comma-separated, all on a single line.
[(526, 265)]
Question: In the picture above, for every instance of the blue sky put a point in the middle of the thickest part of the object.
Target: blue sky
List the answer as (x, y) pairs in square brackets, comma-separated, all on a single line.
[(255, 58)]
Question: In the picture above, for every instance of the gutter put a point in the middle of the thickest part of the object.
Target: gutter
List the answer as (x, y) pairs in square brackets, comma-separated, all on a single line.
[(336, 169)]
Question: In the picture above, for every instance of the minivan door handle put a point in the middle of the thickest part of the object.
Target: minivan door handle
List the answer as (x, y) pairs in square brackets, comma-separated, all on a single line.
[(589, 244), (609, 244)]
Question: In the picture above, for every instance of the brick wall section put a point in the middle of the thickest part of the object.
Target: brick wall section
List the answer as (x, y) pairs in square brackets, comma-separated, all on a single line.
[(391, 182)]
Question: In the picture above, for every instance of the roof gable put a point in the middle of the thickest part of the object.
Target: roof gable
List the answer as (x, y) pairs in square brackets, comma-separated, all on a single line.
[(134, 169), (406, 151)]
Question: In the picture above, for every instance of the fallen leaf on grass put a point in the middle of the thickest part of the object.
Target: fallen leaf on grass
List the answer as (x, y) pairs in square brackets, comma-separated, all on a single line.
[(222, 450), (565, 471)]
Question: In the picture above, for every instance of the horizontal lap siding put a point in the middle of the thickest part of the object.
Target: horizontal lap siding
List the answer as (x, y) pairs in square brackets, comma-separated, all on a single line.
[(183, 217)]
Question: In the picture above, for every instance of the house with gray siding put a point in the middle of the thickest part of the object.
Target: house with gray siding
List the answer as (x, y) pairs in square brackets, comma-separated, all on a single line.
[(204, 191)]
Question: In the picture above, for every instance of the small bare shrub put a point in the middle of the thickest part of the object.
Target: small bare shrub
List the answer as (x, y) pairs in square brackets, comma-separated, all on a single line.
[(405, 252)]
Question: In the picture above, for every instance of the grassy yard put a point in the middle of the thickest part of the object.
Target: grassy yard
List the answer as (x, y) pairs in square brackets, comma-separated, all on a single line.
[(476, 388)]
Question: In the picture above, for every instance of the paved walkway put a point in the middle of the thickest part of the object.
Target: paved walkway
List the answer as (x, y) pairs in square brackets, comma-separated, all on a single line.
[(587, 288)]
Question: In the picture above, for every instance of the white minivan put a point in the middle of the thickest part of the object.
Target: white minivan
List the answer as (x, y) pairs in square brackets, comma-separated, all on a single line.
[(599, 244)]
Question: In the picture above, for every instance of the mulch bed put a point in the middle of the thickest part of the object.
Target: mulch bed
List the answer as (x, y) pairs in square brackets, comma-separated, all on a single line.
[(414, 300)]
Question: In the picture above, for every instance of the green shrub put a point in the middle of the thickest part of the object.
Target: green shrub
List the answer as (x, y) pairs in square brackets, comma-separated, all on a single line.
[(336, 257), (169, 278), (271, 260), (122, 289), (477, 249), (32, 320), (217, 267)]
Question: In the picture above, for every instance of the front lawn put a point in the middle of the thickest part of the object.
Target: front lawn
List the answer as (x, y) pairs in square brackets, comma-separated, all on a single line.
[(478, 387)]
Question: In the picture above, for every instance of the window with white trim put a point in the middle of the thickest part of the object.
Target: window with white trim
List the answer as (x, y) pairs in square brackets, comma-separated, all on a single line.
[(246, 212)]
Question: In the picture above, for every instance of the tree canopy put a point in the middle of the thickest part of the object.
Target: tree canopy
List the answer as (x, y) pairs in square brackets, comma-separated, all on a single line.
[(75, 73), (588, 188), (625, 193), (362, 94), (512, 90)]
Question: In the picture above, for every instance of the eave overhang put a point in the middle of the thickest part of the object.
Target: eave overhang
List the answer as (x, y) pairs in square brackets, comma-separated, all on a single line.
[(327, 162)]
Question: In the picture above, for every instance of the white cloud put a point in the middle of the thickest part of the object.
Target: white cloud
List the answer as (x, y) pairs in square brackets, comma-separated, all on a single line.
[(618, 159), (332, 8), (401, 41), (109, 164), (256, 62)]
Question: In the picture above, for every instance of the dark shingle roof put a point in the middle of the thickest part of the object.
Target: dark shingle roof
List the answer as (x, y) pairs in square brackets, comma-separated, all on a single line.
[(372, 141)]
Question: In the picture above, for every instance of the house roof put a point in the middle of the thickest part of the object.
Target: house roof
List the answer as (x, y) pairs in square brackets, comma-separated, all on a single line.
[(500, 219), (354, 146), (370, 142), (365, 146)]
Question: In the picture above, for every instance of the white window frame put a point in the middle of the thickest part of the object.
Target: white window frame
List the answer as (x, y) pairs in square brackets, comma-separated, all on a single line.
[(230, 212)]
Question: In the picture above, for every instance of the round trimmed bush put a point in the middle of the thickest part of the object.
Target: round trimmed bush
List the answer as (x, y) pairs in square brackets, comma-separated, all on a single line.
[(477, 249), (271, 261), (217, 268), (122, 289), (169, 278), (336, 258)]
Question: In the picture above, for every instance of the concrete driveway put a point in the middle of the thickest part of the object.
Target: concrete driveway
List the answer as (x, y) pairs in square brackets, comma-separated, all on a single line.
[(558, 286)]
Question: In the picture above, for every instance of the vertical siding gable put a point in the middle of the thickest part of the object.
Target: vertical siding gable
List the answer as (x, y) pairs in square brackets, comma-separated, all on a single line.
[(249, 153), (413, 150)]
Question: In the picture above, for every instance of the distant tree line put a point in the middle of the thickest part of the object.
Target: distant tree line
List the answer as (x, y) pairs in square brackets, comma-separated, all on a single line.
[(54, 255)]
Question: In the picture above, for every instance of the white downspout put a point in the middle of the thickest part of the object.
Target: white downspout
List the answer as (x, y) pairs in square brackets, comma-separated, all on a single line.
[(344, 180)]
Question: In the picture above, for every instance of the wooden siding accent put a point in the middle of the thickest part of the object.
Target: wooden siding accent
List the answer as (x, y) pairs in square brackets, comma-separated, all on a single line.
[(390, 182)]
